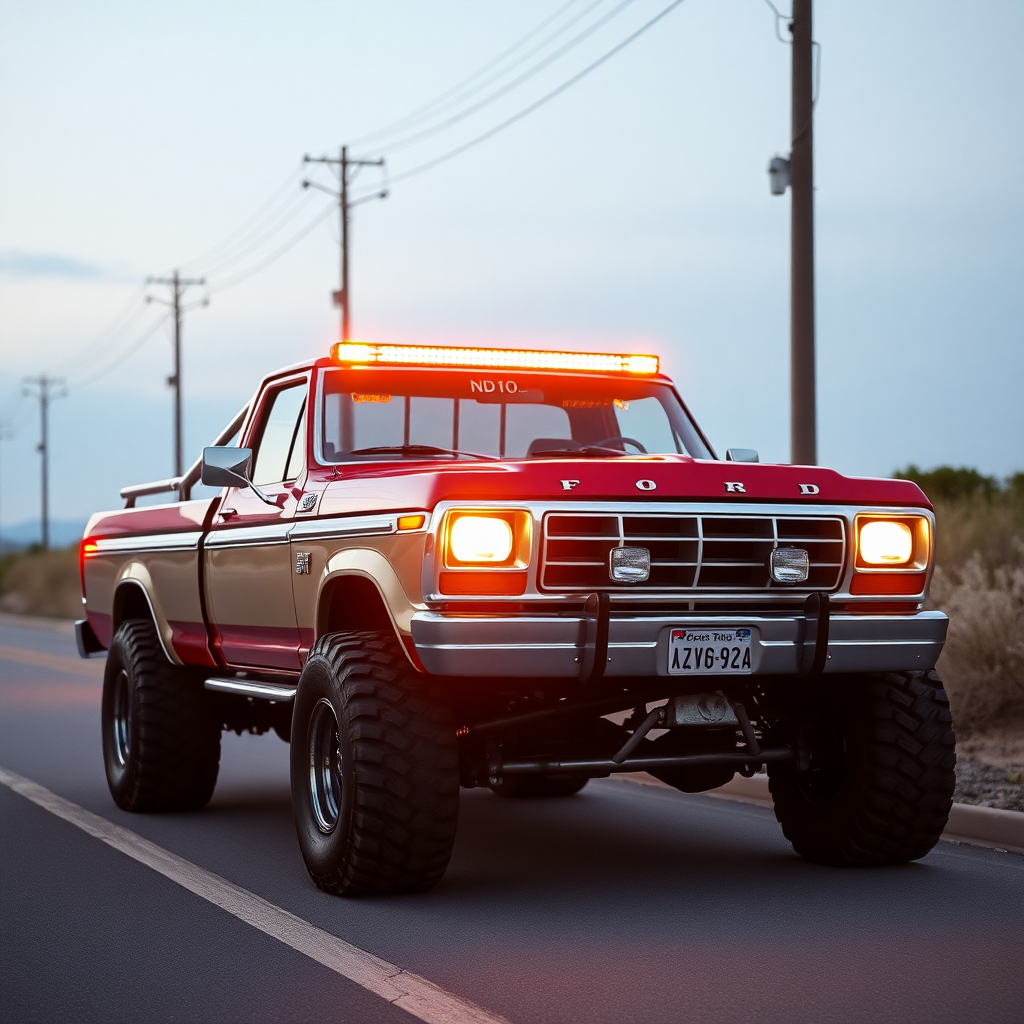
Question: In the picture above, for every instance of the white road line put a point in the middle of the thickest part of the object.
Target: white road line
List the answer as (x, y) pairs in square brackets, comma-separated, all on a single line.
[(422, 998)]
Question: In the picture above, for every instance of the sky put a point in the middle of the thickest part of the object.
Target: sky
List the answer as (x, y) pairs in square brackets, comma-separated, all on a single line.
[(630, 213)]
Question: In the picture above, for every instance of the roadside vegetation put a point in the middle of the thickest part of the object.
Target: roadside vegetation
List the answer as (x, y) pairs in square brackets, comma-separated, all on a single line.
[(979, 583), (35, 582)]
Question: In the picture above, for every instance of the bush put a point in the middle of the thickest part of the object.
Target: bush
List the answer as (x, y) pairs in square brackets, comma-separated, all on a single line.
[(982, 664), (979, 584), (42, 583)]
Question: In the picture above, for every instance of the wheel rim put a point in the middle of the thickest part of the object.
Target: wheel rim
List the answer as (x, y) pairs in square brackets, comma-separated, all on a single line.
[(122, 718), (325, 766)]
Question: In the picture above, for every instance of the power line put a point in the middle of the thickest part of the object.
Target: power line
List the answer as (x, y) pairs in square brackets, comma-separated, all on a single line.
[(245, 246), (244, 275), (121, 357), (451, 96), (126, 317), (516, 82), (526, 111), (282, 191)]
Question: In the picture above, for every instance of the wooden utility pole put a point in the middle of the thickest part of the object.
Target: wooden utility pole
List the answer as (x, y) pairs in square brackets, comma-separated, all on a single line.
[(803, 412), (46, 389), (177, 285), (344, 163), (6, 434)]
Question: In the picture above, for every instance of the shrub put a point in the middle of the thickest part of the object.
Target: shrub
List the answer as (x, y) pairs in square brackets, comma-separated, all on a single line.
[(982, 664), (42, 583)]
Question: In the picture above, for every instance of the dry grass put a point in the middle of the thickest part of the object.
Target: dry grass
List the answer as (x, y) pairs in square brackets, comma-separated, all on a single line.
[(979, 583), (41, 583), (982, 664)]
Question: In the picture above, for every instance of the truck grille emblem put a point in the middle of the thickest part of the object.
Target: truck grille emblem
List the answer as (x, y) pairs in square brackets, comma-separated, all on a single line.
[(646, 485), (302, 563), (809, 488), (734, 487), (568, 485)]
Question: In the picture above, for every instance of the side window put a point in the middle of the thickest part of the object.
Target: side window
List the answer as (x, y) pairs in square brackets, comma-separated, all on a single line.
[(281, 445)]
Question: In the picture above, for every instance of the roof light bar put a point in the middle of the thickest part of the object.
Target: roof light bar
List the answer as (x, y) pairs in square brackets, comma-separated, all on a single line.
[(362, 353)]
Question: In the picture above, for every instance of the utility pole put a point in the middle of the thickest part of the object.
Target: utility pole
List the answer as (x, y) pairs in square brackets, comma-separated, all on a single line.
[(46, 389), (344, 163), (6, 434), (803, 412), (178, 286)]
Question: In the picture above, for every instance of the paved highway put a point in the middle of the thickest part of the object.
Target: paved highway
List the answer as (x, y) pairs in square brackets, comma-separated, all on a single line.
[(625, 904)]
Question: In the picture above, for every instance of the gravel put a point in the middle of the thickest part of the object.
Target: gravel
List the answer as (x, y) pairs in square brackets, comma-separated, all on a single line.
[(985, 784)]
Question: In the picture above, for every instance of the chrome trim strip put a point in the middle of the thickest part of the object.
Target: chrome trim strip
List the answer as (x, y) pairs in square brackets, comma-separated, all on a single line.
[(355, 526), (246, 536), (147, 542), (250, 688)]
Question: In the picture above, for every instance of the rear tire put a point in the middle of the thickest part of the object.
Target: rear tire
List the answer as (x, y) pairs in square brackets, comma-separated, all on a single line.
[(161, 735), (881, 782), (374, 768), (519, 786)]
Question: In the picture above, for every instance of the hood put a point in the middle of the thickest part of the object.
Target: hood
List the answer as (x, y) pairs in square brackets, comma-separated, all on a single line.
[(378, 487)]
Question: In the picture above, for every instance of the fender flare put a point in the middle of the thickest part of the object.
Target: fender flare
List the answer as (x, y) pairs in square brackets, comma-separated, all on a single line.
[(135, 574), (373, 566)]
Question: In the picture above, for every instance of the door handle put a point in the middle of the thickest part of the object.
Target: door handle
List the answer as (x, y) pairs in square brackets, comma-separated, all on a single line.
[(226, 513)]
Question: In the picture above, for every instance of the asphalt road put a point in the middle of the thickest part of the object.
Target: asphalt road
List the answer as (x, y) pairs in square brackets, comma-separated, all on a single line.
[(625, 904)]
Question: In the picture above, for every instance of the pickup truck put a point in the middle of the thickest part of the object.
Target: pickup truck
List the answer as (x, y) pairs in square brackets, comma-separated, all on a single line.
[(430, 568)]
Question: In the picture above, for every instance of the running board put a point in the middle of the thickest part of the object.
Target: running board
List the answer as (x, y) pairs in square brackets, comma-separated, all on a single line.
[(252, 688)]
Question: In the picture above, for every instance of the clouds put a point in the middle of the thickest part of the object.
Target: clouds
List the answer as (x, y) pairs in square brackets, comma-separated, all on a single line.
[(16, 263)]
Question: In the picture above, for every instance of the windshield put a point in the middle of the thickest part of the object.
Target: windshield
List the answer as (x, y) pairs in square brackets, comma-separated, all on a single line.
[(376, 413)]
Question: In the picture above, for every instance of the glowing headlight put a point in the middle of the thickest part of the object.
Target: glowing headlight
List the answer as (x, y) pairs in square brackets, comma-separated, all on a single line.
[(885, 542), (482, 540)]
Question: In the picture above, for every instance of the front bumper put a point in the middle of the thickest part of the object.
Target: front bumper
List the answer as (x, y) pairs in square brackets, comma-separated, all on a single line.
[(526, 646)]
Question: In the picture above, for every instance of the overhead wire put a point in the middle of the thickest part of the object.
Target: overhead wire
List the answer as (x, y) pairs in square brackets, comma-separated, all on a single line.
[(222, 286), (282, 191), (122, 356), (459, 92), (530, 108), (244, 248), (503, 90)]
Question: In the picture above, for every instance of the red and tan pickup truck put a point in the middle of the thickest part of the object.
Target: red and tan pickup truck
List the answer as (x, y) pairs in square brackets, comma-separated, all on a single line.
[(431, 568)]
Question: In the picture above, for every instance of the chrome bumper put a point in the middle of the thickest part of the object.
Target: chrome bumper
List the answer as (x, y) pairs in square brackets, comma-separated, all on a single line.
[(549, 645)]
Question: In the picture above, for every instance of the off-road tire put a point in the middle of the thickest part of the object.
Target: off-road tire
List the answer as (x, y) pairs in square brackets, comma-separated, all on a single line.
[(396, 802), (517, 786), (888, 796), (161, 734)]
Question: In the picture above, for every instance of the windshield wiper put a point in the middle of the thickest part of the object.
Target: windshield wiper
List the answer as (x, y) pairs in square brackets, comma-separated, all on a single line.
[(586, 451), (417, 451)]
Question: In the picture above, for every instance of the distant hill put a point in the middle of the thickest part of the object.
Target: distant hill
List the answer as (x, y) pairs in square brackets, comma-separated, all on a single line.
[(62, 533)]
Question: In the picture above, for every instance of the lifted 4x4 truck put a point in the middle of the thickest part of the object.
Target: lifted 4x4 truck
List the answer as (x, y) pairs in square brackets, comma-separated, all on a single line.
[(432, 568)]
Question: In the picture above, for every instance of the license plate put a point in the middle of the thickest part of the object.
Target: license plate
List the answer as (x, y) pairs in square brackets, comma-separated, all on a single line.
[(707, 652)]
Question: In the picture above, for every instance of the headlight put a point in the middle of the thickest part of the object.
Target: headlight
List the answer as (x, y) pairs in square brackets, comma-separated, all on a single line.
[(893, 542), (886, 543), (480, 540), (485, 539)]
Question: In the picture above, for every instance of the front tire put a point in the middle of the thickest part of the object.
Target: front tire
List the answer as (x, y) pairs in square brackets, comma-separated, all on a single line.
[(374, 768), (880, 783), (161, 735)]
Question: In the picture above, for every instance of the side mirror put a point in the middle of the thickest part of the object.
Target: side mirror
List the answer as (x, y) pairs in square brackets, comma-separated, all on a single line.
[(741, 455), (226, 467)]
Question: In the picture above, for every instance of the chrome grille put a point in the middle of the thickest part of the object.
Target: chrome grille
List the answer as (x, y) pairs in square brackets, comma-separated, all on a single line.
[(688, 552)]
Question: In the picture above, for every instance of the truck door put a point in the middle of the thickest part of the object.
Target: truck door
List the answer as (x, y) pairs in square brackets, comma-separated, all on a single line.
[(248, 572)]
